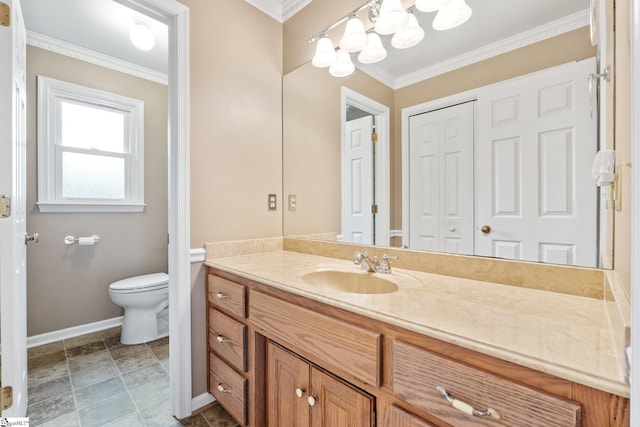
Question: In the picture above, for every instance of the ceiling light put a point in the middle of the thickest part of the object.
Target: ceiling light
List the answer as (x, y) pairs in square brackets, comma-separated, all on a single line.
[(430, 5), (374, 51), (452, 14), (410, 35), (325, 53), (354, 38), (342, 66), (141, 35), (392, 17)]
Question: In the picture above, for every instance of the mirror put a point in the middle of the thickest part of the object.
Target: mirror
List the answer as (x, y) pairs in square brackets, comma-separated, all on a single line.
[(314, 132)]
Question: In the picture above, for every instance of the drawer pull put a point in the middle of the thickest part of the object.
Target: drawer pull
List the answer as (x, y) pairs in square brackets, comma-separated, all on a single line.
[(466, 408), (223, 390), (220, 295), (221, 338), (312, 400), (300, 392)]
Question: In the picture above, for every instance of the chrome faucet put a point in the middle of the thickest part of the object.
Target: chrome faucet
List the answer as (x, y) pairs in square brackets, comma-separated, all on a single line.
[(373, 266)]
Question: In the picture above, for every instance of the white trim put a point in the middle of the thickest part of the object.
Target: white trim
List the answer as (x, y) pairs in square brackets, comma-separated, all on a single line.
[(201, 400), (635, 212), (176, 16), (71, 50), (395, 233), (75, 331), (90, 207), (291, 7), (535, 35), (273, 8), (197, 255), (383, 160)]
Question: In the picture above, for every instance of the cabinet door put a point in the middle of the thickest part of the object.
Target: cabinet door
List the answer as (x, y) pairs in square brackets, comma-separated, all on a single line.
[(287, 378), (402, 418), (335, 404)]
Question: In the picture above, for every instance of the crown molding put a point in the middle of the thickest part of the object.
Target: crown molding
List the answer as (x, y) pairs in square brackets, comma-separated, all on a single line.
[(543, 32), (291, 7), (273, 8), (68, 49)]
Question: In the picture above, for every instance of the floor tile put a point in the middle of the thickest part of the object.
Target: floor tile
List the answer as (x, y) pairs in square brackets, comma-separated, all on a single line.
[(43, 350), (139, 377), (96, 374), (82, 340), (111, 332), (161, 351), (46, 360), (88, 361), (119, 351), (69, 420), (155, 416), (131, 420), (85, 349), (135, 361), (51, 409), (107, 411), (112, 342), (154, 393), (49, 389), (158, 343), (48, 373), (194, 421), (218, 417), (96, 393)]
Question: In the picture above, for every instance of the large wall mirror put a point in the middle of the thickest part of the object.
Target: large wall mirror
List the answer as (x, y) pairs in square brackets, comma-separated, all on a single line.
[(501, 196)]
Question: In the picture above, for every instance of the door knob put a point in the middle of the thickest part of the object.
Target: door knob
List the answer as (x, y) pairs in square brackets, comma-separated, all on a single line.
[(485, 229), (300, 392), (35, 237), (311, 400)]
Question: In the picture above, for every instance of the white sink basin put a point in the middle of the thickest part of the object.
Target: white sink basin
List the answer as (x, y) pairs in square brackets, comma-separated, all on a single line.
[(352, 282)]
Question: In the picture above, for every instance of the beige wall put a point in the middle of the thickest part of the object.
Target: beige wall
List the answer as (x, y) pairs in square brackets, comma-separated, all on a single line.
[(67, 285), (236, 137)]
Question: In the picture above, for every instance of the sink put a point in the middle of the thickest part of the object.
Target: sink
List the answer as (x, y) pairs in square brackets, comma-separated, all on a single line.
[(352, 282)]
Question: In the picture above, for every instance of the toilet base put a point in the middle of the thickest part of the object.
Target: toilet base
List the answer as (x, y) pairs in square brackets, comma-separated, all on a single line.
[(141, 326)]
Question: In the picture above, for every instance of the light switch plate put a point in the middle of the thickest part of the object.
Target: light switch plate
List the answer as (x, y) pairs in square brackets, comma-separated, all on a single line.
[(293, 203)]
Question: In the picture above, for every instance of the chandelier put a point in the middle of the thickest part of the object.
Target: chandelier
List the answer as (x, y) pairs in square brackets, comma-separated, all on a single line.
[(387, 17)]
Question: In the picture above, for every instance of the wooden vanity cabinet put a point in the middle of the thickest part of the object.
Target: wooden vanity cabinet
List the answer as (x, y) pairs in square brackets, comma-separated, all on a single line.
[(363, 371), (300, 394)]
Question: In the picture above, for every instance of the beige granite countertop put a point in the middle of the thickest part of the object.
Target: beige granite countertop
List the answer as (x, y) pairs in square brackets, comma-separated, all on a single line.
[(564, 335)]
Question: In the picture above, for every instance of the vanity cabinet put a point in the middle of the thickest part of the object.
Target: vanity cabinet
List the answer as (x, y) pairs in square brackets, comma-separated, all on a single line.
[(364, 372), (300, 394)]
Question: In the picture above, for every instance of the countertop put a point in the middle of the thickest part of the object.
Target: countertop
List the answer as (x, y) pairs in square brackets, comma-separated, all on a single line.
[(563, 335)]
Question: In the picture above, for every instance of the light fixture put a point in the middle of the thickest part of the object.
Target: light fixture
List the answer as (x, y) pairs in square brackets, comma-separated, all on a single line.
[(391, 18), (410, 35), (354, 38), (430, 5), (374, 51), (342, 66), (325, 53), (141, 35), (452, 14)]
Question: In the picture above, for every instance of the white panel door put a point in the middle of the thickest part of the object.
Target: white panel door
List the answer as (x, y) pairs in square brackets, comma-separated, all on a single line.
[(535, 195), (357, 219), (441, 180), (13, 260)]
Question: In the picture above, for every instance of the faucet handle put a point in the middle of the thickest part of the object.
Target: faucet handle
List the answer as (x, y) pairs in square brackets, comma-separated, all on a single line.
[(384, 265), (359, 256)]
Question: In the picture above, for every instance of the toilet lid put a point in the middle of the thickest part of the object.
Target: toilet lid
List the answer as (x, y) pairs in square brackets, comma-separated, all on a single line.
[(145, 282)]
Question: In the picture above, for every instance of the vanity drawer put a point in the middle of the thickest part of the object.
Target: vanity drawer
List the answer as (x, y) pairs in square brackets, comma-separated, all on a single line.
[(417, 373), (227, 296), (402, 418), (229, 388), (228, 339), (330, 343)]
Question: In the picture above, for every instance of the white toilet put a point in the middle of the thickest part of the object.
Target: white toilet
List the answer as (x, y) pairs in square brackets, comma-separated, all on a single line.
[(145, 300)]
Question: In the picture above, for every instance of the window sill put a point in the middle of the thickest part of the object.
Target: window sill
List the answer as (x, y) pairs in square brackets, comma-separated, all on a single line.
[(80, 207)]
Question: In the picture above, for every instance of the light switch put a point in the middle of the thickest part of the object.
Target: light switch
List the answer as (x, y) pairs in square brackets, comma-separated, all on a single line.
[(272, 202), (292, 202)]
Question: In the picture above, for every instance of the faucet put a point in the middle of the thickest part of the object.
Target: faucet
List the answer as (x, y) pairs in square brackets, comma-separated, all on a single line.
[(373, 266)]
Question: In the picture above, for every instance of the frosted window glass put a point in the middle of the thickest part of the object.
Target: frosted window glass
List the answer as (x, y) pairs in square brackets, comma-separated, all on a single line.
[(92, 177), (88, 127)]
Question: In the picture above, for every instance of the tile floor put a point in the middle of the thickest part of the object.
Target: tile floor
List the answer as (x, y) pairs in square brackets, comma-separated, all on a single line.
[(93, 380)]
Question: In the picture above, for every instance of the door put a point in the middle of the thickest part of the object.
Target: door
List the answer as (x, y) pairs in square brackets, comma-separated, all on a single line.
[(13, 306), (358, 190), (441, 215), (287, 386), (536, 142)]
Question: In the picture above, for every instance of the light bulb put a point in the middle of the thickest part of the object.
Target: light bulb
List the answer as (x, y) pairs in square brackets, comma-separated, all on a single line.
[(325, 53), (354, 38), (141, 35), (408, 36), (451, 15), (392, 17), (430, 5), (374, 51), (342, 66)]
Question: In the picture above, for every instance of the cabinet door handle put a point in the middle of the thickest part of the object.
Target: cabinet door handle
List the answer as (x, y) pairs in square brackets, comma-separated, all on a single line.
[(466, 408), (220, 295), (312, 400), (221, 338), (224, 390), (300, 392)]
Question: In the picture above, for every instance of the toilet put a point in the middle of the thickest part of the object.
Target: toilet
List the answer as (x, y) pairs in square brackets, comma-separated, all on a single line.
[(145, 300)]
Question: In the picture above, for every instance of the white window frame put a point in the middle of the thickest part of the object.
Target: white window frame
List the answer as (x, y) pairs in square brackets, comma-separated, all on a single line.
[(50, 93)]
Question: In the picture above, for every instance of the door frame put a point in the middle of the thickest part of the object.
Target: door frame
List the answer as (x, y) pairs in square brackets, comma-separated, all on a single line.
[(176, 16), (382, 170)]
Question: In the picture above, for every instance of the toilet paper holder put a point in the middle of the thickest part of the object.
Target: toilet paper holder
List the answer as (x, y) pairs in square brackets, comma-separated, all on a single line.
[(82, 241)]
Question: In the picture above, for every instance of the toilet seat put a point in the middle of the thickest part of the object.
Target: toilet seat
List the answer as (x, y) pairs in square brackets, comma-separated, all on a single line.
[(137, 284)]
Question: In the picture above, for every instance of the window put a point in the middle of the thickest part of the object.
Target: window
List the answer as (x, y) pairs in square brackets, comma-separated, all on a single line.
[(90, 149)]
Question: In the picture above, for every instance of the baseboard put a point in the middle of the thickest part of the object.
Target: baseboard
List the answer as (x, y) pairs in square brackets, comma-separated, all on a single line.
[(201, 400), (74, 331)]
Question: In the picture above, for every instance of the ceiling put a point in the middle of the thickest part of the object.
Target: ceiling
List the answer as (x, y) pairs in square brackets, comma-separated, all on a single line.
[(103, 26)]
